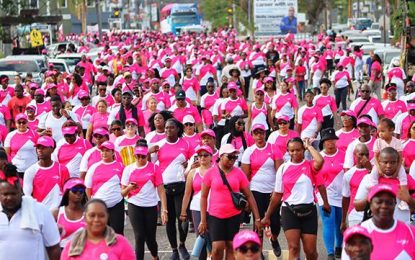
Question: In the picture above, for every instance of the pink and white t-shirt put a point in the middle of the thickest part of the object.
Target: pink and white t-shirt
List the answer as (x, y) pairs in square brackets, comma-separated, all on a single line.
[(351, 181), (309, 118), (92, 156), (125, 146), (284, 104), (373, 108), (120, 250), (84, 114), (345, 138), (349, 161), (163, 100), (104, 180), (169, 75), (262, 164), (41, 108), (341, 79), (147, 178), (170, 159), (393, 109), (194, 141), (332, 175), (408, 152), (403, 123), (327, 104), (191, 87), (4, 114), (69, 227), (220, 203), (235, 107), (70, 155), (259, 115), (154, 137), (45, 184), (296, 181), (281, 140), (22, 151)]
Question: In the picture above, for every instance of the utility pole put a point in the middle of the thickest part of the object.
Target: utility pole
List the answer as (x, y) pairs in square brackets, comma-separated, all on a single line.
[(349, 9), (233, 15), (98, 11)]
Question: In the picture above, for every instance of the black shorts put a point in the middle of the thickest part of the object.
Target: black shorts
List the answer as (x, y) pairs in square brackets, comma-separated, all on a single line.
[(223, 229), (307, 225)]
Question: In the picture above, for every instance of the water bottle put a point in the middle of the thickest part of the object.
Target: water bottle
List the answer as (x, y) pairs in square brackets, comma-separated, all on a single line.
[(198, 246)]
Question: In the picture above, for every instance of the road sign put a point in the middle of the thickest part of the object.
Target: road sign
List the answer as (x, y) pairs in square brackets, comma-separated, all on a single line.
[(36, 38)]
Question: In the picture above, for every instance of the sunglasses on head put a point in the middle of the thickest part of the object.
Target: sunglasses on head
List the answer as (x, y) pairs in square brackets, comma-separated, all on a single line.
[(232, 157), (244, 249), (77, 189)]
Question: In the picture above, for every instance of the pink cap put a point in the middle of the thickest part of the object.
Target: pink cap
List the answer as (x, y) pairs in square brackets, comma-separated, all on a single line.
[(410, 106), (204, 148), (154, 80), (268, 79), (20, 117), (232, 85), (49, 86), (101, 131), (355, 230), (33, 85), (165, 83), (260, 90), (31, 107), (141, 150), (365, 120), (73, 182), (208, 132), (258, 126), (226, 149), (348, 113), (289, 68), (380, 188), (283, 118), (245, 236), (108, 145), (69, 130), (188, 119), (83, 94), (131, 120), (45, 141), (167, 59)]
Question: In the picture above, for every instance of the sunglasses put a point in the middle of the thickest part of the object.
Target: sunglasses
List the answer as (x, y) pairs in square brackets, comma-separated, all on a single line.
[(102, 89), (21, 122), (189, 124), (130, 125), (282, 123), (140, 156), (232, 157), (116, 129), (259, 93), (204, 155), (98, 136), (365, 91), (244, 249), (77, 189), (240, 123)]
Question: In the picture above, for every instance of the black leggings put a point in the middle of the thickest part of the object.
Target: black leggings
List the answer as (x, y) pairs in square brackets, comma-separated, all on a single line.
[(341, 96), (116, 218), (174, 207), (144, 223), (262, 201)]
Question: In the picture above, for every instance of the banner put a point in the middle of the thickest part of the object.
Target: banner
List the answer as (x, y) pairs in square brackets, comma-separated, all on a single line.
[(274, 17)]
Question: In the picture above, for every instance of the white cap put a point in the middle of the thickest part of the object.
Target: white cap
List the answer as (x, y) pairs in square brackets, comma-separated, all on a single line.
[(188, 119)]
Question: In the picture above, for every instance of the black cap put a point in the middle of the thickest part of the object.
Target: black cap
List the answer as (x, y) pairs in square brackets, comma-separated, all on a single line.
[(327, 134), (181, 95)]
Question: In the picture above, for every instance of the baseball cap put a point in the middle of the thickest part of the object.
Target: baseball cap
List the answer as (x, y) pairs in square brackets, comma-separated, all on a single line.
[(101, 131), (33, 85), (188, 119), (141, 150), (45, 141), (260, 90), (131, 121), (128, 93), (232, 85), (33, 107), (348, 113), (107, 144), (258, 126), (39, 91), (355, 230), (227, 148), (380, 188), (49, 86), (204, 148), (69, 130), (180, 95), (83, 94), (208, 132), (245, 236), (283, 118), (73, 182), (410, 106), (154, 80), (127, 74), (365, 120), (167, 59), (20, 117), (268, 79)]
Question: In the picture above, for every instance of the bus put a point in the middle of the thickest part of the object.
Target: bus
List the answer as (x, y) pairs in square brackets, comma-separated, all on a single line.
[(178, 16)]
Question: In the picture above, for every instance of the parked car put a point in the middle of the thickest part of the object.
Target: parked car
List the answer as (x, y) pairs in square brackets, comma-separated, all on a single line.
[(41, 60), (23, 67), (60, 64)]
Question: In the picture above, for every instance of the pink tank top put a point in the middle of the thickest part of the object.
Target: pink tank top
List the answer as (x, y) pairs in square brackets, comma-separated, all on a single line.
[(197, 187), (69, 226)]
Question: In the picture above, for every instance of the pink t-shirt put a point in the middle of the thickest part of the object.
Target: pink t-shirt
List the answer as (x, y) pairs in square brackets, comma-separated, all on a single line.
[(125, 146), (262, 165), (121, 250), (345, 138), (281, 140), (373, 108), (45, 184), (326, 104), (180, 113), (154, 137), (22, 150), (259, 115), (296, 181), (43, 108), (351, 181), (220, 203), (284, 104), (194, 141), (408, 152), (70, 155), (84, 114), (332, 175), (309, 118), (147, 178), (70, 227), (393, 109), (104, 180), (99, 120), (235, 107)]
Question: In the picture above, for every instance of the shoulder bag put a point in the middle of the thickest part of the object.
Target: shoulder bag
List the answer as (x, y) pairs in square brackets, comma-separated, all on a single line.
[(238, 199)]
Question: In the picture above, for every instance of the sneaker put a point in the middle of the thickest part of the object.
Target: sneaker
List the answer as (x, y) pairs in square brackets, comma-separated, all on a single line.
[(175, 255), (184, 253), (276, 248), (330, 257), (338, 252)]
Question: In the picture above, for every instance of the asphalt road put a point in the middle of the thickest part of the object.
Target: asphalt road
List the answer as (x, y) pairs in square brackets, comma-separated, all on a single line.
[(165, 250)]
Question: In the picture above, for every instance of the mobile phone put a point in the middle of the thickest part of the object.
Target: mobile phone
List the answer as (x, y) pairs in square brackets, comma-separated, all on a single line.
[(196, 158)]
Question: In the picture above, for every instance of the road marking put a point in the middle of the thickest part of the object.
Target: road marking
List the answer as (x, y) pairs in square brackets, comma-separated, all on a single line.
[(284, 255)]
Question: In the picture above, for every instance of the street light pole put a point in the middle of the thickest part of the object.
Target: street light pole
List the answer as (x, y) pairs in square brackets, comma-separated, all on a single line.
[(97, 9), (384, 23)]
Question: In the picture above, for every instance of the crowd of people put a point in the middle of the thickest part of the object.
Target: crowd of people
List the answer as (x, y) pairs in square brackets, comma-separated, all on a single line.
[(208, 132)]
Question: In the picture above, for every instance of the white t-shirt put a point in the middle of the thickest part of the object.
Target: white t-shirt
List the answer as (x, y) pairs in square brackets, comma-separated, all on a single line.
[(49, 121)]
